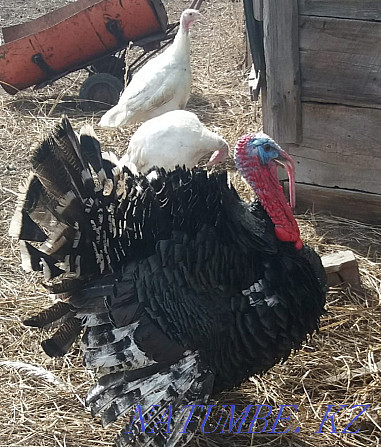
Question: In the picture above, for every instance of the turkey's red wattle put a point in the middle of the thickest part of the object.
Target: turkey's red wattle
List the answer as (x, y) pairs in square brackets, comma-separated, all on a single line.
[(264, 181)]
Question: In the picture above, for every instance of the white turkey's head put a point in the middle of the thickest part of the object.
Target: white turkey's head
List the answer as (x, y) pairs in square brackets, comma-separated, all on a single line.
[(188, 17)]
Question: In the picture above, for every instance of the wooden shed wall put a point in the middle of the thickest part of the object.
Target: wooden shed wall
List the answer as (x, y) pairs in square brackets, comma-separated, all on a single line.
[(322, 99)]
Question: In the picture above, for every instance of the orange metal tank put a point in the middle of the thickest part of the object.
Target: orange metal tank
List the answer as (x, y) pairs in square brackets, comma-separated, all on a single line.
[(71, 37)]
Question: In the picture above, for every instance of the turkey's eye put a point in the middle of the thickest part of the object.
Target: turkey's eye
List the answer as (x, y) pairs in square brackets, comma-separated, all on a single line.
[(267, 148)]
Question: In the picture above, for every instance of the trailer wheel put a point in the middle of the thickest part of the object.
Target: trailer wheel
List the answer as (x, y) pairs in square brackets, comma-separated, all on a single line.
[(100, 91), (110, 64)]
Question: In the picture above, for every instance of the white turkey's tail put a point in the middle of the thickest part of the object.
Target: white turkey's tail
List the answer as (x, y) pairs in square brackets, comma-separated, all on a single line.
[(117, 116)]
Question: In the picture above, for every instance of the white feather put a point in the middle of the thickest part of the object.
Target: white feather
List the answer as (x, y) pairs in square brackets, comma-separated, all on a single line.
[(174, 138), (25, 257), (35, 371), (15, 226), (102, 357)]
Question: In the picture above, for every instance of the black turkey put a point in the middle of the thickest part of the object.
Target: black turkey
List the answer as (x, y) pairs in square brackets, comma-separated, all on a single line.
[(181, 289)]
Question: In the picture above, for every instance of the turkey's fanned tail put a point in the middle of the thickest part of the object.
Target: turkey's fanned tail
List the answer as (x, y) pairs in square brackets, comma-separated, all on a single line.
[(65, 194), (71, 197)]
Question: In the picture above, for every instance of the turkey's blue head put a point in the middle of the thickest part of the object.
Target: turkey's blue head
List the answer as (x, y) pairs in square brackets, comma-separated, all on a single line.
[(257, 157)]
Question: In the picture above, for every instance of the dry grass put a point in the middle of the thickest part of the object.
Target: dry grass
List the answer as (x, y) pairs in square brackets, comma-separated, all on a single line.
[(339, 366)]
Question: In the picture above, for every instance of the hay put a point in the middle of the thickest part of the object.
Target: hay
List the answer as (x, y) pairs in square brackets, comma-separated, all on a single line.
[(338, 366)]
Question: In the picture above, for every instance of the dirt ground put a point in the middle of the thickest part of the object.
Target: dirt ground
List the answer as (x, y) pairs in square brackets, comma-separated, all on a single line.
[(339, 366), (20, 11)]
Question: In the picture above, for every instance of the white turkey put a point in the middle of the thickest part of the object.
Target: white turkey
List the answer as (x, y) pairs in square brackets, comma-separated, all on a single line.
[(181, 289), (161, 85), (174, 138)]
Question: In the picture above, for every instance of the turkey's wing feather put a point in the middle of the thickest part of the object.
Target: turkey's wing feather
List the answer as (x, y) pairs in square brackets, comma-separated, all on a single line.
[(159, 77), (150, 90), (187, 293)]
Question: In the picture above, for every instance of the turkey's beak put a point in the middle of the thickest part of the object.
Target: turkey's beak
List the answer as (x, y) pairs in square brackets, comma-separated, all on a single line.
[(287, 163), (218, 156), (198, 17)]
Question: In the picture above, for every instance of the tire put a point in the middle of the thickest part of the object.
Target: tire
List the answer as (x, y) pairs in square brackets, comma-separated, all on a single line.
[(100, 91), (112, 65)]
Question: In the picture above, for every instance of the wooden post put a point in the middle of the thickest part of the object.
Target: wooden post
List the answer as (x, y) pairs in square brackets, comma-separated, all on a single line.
[(281, 100)]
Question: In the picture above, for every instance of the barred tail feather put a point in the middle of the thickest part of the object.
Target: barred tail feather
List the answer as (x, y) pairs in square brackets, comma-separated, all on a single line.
[(28, 229), (60, 343), (46, 318), (22, 226), (187, 384), (123, 350), (181, 384), (69, 146), (33, 259), (91, 149), (73, 238), (51, 170), (60, 241)]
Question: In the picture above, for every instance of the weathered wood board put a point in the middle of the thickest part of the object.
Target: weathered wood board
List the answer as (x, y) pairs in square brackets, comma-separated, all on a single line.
[(281, 105), (341, 267), (350, 9), (334, 131), (341, 147), (340, 61), (258, 9), (354, 205)]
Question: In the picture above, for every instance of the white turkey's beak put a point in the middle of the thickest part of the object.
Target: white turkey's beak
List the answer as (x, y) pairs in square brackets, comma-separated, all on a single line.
[(218, 156), (198, 16)]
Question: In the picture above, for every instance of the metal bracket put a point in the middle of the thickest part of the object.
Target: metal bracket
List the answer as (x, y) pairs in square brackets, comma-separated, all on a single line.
[(256, 82), (113, 28), (39, 60)]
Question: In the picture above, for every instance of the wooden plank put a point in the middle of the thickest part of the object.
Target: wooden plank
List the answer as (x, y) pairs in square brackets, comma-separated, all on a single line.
[(258, 9), (350, 9), (340, 61), (341, 267), (281, 43), (341, 147), (334, 262), (345, 130), (354, 205)]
